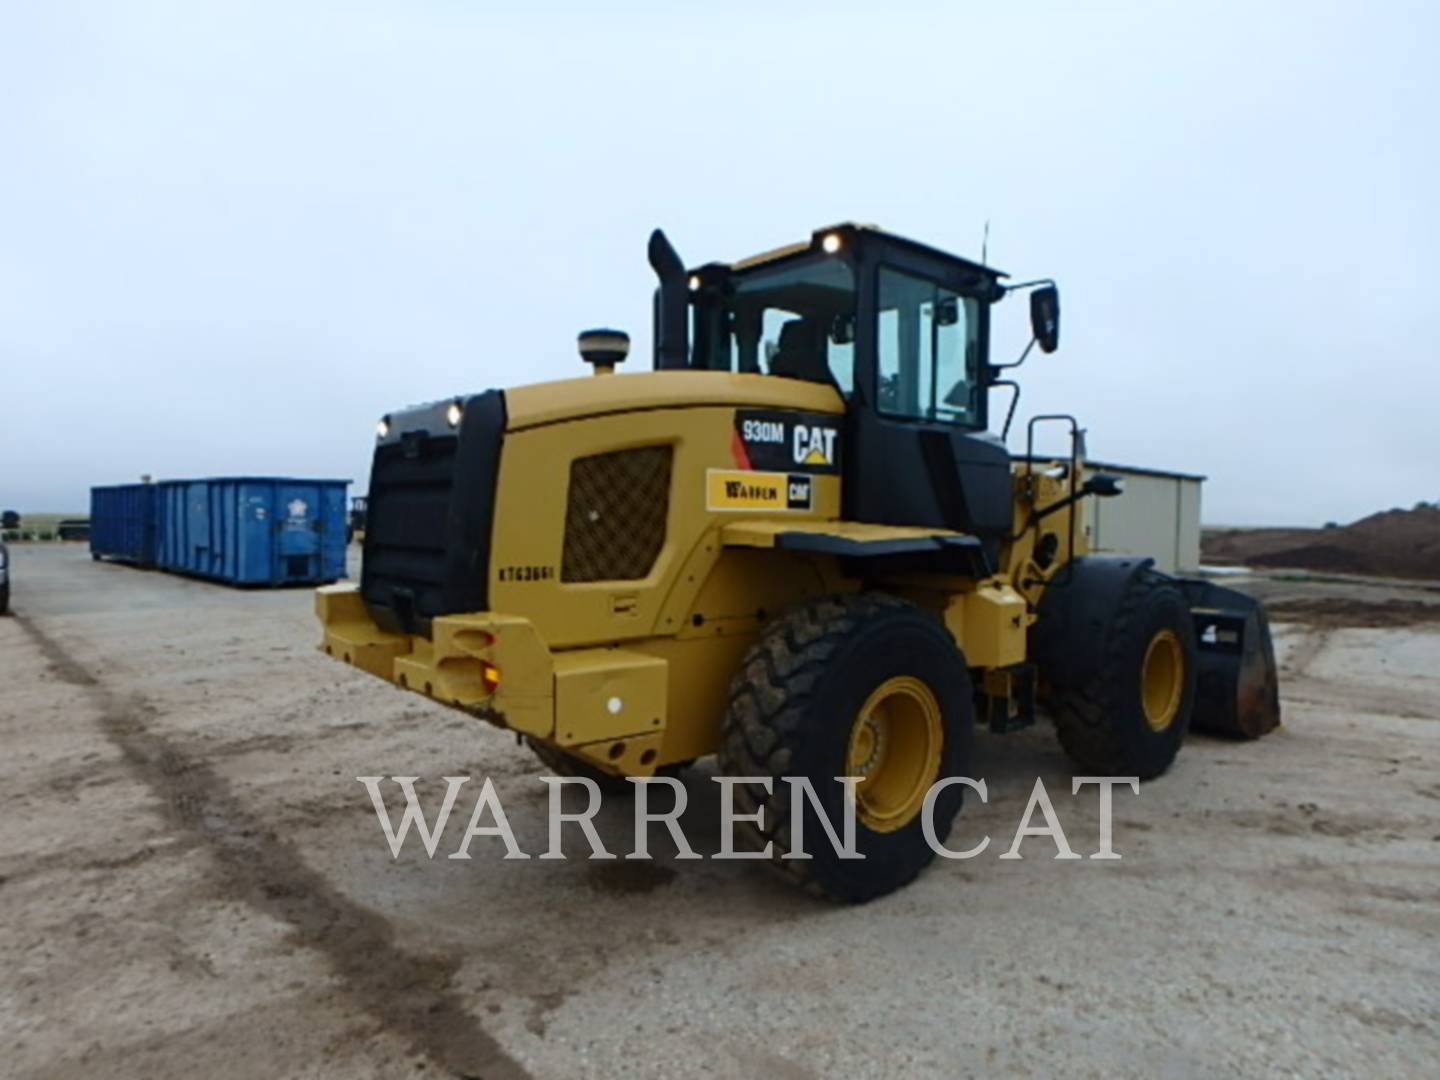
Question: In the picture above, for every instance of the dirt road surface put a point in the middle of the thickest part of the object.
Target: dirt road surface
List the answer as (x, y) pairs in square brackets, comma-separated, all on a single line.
[(193, 883)]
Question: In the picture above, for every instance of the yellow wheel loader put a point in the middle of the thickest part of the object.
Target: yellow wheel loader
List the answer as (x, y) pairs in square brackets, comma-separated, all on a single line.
[(795, 544)]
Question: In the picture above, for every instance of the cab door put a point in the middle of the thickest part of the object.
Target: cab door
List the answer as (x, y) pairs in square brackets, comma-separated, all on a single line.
[(918, 421)]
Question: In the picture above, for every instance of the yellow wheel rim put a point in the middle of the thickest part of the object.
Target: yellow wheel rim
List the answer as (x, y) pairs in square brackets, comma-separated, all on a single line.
[(894, 748), (1162, 678)]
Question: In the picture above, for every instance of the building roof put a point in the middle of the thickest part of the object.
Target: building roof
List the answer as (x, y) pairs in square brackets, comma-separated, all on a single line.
[(1133, 470), (1144, 470)]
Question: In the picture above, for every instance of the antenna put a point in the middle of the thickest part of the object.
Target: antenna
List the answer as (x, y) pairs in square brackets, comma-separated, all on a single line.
[(985, 245)]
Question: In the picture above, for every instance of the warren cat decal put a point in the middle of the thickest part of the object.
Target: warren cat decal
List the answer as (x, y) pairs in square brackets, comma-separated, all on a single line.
[(772, 439), (741, 489)]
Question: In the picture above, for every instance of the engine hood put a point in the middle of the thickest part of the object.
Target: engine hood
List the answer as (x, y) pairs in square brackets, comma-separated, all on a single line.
[(600, 395)]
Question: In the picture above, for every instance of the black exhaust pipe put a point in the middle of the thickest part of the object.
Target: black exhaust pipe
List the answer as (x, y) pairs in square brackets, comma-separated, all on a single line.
[(672, 319)]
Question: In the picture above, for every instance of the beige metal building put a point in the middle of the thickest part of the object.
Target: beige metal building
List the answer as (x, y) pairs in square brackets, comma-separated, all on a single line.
[(1158, 514)]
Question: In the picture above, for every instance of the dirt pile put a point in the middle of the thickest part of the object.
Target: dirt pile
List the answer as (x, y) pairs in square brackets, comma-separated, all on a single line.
[(1395, 543)]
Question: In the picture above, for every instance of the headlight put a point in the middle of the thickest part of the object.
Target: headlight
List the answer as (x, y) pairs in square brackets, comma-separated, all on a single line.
[(383, 427), (831, 243), (453, 414)]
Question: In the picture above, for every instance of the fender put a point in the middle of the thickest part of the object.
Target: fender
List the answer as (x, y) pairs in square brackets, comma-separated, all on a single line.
[(1069, 637), (878, 548)]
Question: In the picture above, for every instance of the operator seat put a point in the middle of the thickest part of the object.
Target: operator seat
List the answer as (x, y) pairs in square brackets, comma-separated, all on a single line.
[(800, 352)]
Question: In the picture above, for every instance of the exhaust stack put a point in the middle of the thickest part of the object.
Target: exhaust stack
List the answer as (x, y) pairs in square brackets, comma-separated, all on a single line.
[(672, 329)]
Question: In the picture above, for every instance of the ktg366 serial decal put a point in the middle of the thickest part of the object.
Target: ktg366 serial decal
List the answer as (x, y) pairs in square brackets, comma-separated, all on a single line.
[(775, 440)]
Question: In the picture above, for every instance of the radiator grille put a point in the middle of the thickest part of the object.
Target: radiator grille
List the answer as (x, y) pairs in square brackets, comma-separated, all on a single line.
[(615, 518)]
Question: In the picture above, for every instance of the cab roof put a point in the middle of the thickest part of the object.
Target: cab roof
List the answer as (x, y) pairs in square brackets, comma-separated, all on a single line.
[(860, 233)]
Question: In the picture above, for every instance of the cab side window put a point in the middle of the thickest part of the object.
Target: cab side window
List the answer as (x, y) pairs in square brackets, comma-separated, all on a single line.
[(805, 345), (796, 321), (926, 351)]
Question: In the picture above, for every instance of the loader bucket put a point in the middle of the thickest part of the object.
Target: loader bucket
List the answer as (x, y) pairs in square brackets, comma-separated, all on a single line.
[(1238, 691)]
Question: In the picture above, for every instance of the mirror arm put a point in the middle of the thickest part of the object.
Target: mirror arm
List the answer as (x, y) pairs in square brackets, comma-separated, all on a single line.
[(1100, 486), (1017, 363), (1017, 286)]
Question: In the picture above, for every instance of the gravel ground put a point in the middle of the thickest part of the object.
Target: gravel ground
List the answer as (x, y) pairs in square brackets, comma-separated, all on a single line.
[(192, 883)]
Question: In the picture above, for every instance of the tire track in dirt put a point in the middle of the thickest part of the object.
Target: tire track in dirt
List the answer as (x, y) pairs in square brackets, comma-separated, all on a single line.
[(1306, 650), (1301, 686), (408, 995)]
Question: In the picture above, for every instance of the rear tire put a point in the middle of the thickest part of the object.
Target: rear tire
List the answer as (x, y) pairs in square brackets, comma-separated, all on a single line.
[(867, 683), (1129, 717)]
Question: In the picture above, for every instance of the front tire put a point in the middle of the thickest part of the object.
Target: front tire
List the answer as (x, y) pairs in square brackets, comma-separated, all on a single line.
[(1129, 717), (856, 685)]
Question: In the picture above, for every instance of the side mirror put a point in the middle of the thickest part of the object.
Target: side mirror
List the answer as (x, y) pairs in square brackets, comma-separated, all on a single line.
[(1045, 317), (1104, 485)]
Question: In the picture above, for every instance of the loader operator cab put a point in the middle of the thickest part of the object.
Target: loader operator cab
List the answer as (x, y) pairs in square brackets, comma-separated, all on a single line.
[(900, 329)]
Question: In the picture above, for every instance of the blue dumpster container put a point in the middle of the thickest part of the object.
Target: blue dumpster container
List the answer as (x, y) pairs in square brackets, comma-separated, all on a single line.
[(252, 530), (122, 523)]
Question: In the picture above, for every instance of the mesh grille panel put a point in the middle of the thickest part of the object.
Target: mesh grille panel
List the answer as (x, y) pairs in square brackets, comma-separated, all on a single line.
[(615, 519)]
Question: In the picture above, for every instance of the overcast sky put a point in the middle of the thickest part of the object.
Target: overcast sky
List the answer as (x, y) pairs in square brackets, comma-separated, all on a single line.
[(233, 234)]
